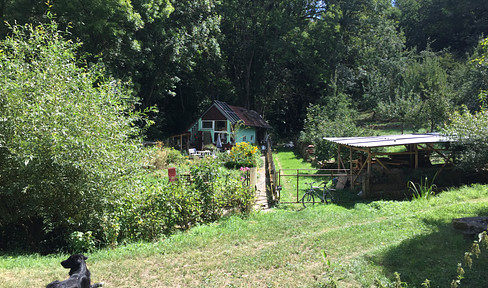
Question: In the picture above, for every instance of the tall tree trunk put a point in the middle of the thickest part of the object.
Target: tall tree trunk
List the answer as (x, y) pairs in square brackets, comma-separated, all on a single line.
[(247, 82)]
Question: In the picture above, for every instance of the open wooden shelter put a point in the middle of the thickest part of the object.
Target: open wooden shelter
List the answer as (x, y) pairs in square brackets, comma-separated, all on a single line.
[(180, 141), (416, 154)]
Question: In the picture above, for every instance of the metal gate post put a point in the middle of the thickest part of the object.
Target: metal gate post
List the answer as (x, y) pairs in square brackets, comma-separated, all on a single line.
[(298, 183)]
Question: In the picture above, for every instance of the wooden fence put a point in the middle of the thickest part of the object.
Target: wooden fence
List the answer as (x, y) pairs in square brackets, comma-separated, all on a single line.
[(271, 177), (300, 174)]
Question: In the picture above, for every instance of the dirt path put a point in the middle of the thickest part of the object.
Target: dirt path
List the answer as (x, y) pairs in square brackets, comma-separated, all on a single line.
[(261, 198)]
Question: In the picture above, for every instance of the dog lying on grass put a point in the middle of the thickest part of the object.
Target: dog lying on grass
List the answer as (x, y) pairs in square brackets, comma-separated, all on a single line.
[(79, 275)]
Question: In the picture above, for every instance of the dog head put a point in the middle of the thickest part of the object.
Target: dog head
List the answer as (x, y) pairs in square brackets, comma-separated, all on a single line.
[(74, 261)]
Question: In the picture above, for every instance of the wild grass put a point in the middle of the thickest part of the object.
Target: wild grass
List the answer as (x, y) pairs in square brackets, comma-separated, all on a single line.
[(365, 244), (422, 190)]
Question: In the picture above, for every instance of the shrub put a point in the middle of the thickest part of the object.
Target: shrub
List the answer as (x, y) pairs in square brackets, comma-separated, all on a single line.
[(65, 143), (318, 125), (469, 131), (162, 157), (156, 206), (81, 242)]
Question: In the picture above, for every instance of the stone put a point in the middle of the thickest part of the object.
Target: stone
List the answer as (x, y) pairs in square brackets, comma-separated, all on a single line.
[(471, 226)]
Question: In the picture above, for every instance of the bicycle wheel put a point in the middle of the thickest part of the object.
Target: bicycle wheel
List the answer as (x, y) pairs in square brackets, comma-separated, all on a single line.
[(307, 199)]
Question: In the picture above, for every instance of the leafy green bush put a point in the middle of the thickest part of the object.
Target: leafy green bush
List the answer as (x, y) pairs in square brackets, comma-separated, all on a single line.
[(469, 131), (321, 122), (220, 188), (81, 242), (156, 206), (65, 143), (148, 211), (162, 157)]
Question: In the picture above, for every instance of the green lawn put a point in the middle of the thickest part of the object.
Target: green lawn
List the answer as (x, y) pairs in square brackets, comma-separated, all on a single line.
[(364, 242), (288, 165)]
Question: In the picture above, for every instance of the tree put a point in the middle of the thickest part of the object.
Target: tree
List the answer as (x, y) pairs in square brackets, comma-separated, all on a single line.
[(67, 139), (107, 28), (167, 49), (471, 79), (404, 107), (267, 59), (469, 129), (335, 119), (443, 24), (424, 96), (370, 49), (471, 138), (178, 67)]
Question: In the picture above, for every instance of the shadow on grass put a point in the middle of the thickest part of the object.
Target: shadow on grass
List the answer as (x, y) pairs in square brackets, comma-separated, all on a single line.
[(435, 257)]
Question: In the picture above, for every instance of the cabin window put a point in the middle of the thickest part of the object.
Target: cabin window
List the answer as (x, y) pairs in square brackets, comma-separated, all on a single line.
[(220, 125), (207, 124)]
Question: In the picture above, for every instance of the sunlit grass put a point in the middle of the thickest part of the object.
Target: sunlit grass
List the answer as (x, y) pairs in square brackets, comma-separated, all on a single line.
[(364, 241), (288, 164), (283, 248)]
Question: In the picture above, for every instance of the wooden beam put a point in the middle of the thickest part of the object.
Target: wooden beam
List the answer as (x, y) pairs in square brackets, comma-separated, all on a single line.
[(361, 169), (350, 166), (416, 156), (446, 159), (368, 175), (338, 156), (382, 165)]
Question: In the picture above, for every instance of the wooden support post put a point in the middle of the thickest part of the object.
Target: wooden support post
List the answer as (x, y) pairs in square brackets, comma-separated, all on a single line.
[(350, 167), (338, 156), (253, 177), (416, 150), (411, 156), (298, 184), (367, 181)]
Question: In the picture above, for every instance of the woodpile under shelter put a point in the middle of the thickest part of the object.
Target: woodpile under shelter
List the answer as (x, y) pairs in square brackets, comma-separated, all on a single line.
[(377, 162)]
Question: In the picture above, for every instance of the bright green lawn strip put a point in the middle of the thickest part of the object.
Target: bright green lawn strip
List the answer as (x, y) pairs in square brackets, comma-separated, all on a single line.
[(286, 159)]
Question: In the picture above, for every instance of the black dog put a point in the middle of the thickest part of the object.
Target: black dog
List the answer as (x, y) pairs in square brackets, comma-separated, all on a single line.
[(79, 275)]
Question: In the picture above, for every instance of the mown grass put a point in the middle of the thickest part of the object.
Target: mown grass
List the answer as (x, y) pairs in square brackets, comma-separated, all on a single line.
[(287, 162), (283, 248), (365, 242)]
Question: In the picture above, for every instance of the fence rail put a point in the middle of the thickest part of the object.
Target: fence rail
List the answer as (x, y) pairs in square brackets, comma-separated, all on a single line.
[(300, 174)]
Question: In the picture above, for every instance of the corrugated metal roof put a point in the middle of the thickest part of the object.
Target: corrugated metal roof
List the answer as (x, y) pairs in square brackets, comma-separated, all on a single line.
[(227, 111), (389, 140), (250, 117), (234, 114)]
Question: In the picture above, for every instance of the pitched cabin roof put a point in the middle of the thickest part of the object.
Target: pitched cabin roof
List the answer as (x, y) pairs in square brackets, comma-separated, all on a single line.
[(234, 114)]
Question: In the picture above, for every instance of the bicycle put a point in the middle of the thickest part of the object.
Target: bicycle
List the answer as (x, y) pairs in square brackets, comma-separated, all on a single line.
[(326, 197)]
